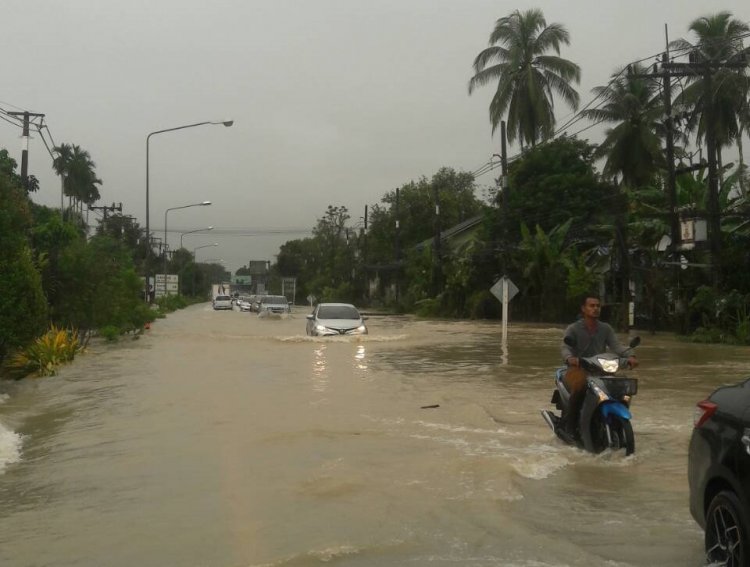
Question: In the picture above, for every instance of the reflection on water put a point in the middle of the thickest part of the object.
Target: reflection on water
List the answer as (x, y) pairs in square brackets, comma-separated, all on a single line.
[(223, 439), (360, 362), (319, 370)]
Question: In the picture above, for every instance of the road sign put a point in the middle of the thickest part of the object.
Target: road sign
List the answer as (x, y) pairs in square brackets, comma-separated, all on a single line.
[(497, 289)]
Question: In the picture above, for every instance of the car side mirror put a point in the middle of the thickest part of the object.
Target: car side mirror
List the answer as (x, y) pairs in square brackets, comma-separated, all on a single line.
[(310, 317), (635, 342), (365, 318)]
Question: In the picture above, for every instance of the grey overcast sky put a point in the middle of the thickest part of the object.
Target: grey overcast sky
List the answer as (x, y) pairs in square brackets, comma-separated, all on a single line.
[(334, 101)]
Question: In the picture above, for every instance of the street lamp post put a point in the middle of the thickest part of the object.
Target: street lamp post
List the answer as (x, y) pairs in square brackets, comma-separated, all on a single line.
[(195, 264), (192, 231), (201, 204), (226, 123)]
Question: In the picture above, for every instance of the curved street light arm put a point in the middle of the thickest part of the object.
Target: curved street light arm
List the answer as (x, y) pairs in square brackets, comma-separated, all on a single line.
[(225, 123)]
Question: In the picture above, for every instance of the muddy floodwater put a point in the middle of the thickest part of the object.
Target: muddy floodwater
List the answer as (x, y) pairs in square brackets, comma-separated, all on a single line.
[(221, 439)]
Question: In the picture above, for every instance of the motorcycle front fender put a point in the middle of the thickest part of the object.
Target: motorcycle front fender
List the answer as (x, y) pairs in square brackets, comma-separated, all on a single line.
[(615, 408), (593, 404)]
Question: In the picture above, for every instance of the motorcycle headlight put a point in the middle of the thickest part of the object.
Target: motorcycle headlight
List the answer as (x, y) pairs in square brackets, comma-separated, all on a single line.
[(608, 365)]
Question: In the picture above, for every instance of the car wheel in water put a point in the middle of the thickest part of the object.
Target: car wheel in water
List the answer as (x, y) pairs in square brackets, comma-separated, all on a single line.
[(726, 537)]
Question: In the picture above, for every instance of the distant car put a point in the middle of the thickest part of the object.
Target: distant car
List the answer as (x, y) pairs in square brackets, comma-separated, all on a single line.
[(719, 474), (222, 302), (329, 319), (273, 305)]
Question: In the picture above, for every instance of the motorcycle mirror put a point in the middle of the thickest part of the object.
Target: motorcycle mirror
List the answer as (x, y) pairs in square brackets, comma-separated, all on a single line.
[(570, 341), (635, 342)]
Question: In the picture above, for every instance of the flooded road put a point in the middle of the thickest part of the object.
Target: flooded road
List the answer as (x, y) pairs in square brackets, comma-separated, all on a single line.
[(221, 439)]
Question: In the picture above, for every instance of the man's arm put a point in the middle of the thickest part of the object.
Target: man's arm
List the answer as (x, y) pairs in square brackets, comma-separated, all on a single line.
[(616, 346), (611, 341), (565, 350)]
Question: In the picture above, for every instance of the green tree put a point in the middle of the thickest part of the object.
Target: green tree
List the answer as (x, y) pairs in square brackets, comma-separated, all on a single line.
[(632, 148), (99, 287), (77, 169), (456, 193), (526, 75), (541, 258), (8, 167), (50, 235), (719, 99), (555, 182), (23, 307)]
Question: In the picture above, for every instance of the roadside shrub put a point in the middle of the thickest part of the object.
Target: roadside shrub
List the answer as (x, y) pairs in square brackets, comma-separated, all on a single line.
[(110, 333), (427, 307), (43, 357), (720, 317)]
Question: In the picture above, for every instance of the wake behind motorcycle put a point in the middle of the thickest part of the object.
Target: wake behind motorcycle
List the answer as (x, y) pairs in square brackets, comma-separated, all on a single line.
[(604, 421)]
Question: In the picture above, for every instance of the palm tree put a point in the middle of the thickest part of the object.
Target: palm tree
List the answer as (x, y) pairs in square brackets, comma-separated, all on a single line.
[(718, 99), (633, 147), (526, 76), (76, 168)]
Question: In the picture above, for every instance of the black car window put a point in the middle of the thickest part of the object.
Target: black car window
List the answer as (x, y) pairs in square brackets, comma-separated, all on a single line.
[(337, 312)]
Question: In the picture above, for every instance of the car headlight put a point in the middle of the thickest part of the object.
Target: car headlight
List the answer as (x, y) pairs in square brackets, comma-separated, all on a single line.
[(361, 329), (320, 328), (609, 365)]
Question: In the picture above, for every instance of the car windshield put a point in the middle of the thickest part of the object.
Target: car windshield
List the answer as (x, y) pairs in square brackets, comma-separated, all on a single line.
[(275, 299), (337, 312), (223, 298)]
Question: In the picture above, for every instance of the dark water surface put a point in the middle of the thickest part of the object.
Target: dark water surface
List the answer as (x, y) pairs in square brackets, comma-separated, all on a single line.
[(221, 439)]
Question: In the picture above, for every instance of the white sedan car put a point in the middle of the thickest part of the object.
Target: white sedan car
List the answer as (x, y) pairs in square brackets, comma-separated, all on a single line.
[(328, 319), (222, 302)]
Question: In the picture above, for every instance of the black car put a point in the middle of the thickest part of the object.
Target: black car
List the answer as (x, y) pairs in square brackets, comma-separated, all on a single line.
[(719, 474)]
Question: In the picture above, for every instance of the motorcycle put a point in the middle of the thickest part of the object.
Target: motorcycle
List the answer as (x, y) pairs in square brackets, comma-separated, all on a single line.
[(604, 421)]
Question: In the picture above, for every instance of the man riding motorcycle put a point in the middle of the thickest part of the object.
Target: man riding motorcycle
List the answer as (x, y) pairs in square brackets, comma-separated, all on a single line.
[(589, 338)]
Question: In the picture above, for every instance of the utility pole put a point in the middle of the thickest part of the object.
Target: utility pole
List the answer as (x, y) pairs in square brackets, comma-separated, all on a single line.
[(504, 187), (25, 142), (504, 170), (437, 261), (692, 69), (107, 209), (398, 246), (674, 226), (707, 68), (714, 214)]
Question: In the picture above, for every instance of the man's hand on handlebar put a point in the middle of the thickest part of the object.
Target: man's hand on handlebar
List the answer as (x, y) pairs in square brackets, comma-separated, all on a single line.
[(573, 361), (632, 362)]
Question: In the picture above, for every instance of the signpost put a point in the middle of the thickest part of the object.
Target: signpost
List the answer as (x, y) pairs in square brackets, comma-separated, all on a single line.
[(289, 283), (505, 290), (166, 285)]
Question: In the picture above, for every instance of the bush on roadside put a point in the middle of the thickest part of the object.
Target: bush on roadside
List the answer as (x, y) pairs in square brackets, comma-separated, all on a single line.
[(110, 333), (42, 357), (171, 303), (427, 307)]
